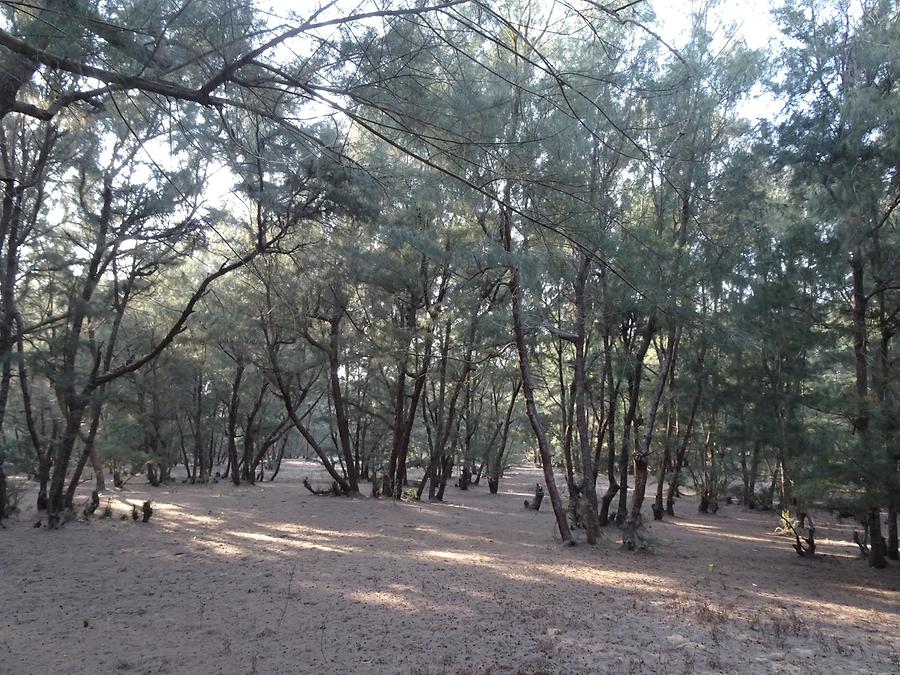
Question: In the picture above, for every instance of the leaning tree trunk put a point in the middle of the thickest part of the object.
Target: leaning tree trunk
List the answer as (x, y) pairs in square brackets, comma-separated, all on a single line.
[(496, 469), (642, 456), (613, 487), (251, 429), (343, 422), (628, 426), (671, 427), (43, 454), (62, 454), (403, 430), (686, 439), (531, 410), (447, 425)]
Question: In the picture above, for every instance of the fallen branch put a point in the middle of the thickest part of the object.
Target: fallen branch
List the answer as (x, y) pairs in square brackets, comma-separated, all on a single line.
[(334, 490), (805, 546)]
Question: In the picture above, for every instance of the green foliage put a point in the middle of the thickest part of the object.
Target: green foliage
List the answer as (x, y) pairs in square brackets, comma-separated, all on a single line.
[(359, 180)]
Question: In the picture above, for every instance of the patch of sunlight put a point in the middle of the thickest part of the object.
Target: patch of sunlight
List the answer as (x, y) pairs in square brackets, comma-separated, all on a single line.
[(599, 577), (452, 555), (694, 526), (293, 542), (219, 547), (294, 529), (840, 610), (382, 599), (196, 519), (885, 594), (497, 566), (719, 532), (744, 537)]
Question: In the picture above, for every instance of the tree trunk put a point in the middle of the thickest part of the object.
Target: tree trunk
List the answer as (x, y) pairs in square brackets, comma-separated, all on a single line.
[(686, 439), (671, 426), (97, 466), (589, 484), (892, 543), (61, 457), (749, 474), (630, 421), (200, 453), (43, 496), (567, 411), (877, 546), (495, 471), (278, 459), (531, 410), (3, 497), (403, 432), (43, 454), (233, 409), (642, 456), (88, 452), (343, 423), (860, 341), (613, 487)]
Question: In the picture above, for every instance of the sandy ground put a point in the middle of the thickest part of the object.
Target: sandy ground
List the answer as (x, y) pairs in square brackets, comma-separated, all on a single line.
[(270, 579)]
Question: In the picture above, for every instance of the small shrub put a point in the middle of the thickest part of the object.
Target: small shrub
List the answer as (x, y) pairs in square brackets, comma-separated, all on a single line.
[(706, 613), (14, 491), (788, 624)]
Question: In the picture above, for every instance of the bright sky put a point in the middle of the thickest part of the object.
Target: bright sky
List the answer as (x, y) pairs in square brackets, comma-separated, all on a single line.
[(747, 20), (751, 18)]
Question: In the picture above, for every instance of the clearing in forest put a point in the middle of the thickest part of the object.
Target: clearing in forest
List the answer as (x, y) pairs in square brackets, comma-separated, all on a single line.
[(271, 579)]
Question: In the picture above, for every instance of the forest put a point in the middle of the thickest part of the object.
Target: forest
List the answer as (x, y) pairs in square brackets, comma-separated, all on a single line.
[(432, 257), (559, 216), (419, 243)]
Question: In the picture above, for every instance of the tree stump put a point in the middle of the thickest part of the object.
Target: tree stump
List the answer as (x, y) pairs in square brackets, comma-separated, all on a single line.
[(535, 504), (465, 478), (575, 509), (92, 505)]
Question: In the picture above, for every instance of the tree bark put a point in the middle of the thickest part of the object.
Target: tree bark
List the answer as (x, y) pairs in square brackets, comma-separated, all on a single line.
[(531, 410), (496, 469), (671, 430), (233, 410), (340, 412), (589, 484), (613, 391), (892, 542), (629, 423), (642, 456), (688, 431)]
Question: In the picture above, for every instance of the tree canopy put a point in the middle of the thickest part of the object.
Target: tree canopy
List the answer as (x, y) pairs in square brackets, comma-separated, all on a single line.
[(420, 240)]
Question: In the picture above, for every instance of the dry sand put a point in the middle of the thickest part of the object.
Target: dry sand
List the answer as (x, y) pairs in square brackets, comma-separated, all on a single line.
[(270, 579)]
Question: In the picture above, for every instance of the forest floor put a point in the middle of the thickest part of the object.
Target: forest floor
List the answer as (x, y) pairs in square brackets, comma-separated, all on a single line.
[(271, 579)]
